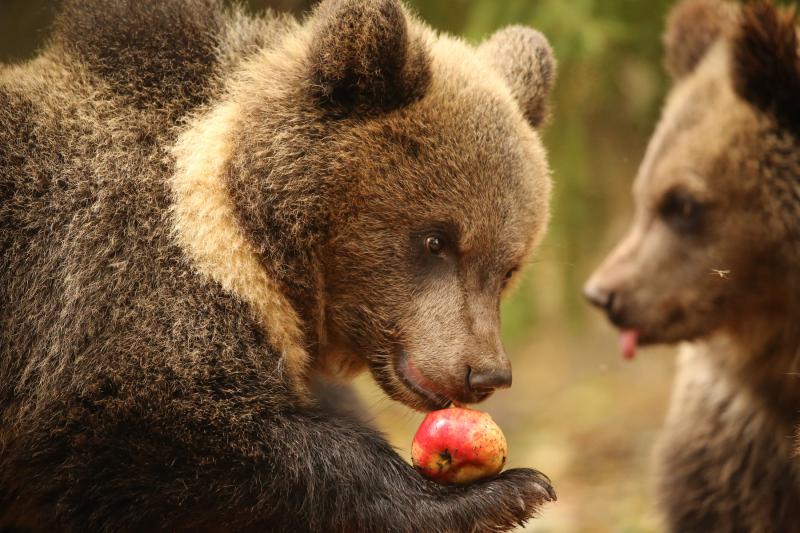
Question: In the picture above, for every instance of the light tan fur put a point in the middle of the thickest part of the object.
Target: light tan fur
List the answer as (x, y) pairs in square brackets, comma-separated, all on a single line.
[(207, 229)]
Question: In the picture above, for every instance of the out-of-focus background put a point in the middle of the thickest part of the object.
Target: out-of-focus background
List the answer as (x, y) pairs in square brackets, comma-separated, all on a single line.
[(576, 410)]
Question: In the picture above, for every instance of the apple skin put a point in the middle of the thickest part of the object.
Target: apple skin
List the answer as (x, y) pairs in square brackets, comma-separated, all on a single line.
[(458, 446)]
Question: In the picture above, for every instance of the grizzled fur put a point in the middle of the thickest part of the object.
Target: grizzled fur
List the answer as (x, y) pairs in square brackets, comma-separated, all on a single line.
[(712, 258), (204, 216)]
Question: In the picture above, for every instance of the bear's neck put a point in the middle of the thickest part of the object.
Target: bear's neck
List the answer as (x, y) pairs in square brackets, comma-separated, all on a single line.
[(287, 201), (250, 247), (290, 248), (282, 227), (762, 354)]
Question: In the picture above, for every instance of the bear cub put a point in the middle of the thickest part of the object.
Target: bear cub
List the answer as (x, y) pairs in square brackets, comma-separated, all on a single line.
[(211, 220), (711, 261)]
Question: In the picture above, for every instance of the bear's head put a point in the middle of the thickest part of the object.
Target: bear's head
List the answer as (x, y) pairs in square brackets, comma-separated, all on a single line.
[(392, 182), (714, 245)]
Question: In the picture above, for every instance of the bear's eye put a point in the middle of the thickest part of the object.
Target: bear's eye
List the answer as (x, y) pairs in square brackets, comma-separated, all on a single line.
[(681, 211), (509, 275), (434, 244)]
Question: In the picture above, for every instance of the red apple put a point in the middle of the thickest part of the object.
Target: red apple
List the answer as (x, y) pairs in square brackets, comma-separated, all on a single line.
[(458, 446)]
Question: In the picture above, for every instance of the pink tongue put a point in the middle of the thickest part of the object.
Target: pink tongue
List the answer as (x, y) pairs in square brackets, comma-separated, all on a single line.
[(627, 343)]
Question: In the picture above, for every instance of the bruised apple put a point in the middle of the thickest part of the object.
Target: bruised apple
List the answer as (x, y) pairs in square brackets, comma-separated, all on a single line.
[(458, 446)]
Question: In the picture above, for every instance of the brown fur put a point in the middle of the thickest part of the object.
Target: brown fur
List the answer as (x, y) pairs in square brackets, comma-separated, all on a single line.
[(767, 63), (530, 80), (712, 259), (349, 73), (692, 27), (206, 215)]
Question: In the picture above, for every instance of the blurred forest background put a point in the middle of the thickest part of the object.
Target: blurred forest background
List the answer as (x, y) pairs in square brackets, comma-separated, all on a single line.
[(576, 410)]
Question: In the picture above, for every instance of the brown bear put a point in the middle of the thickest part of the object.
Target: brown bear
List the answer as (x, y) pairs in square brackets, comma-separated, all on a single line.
[(712, 261), (207, 216)]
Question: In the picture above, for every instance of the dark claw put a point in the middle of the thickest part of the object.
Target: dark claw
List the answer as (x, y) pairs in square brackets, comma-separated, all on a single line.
[(544, 483)]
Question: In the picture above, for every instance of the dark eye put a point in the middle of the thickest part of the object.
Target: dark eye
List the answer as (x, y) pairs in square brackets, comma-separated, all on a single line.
[(681, 211), (434, 244), (509, 275)]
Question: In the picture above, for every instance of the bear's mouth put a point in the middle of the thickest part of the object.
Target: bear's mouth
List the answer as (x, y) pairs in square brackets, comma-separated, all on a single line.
[(416, 382), (674, 327)]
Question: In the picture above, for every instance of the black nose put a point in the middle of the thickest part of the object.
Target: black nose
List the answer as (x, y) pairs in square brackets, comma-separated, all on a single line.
[(598, 296), (488, 380)]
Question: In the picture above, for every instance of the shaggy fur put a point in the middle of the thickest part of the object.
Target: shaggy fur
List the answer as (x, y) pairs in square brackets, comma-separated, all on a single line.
[(712, 258), (205, 215)]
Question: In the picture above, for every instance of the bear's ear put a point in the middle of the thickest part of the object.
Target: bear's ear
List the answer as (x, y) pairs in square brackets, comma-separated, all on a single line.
[(362, 56), (523, 58), (692, 27), (766, 62)]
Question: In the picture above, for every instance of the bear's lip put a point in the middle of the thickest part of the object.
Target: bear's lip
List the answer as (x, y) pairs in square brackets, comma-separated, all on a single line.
[(415, 381)]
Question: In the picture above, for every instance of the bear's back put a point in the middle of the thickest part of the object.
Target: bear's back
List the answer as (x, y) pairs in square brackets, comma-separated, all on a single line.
[(169, 56), (85, 129), (104, 100)]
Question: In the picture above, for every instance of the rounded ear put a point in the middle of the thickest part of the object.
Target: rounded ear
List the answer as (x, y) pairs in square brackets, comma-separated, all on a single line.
[(766, 61), (692, 27), (523, 58), (362, 56)]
